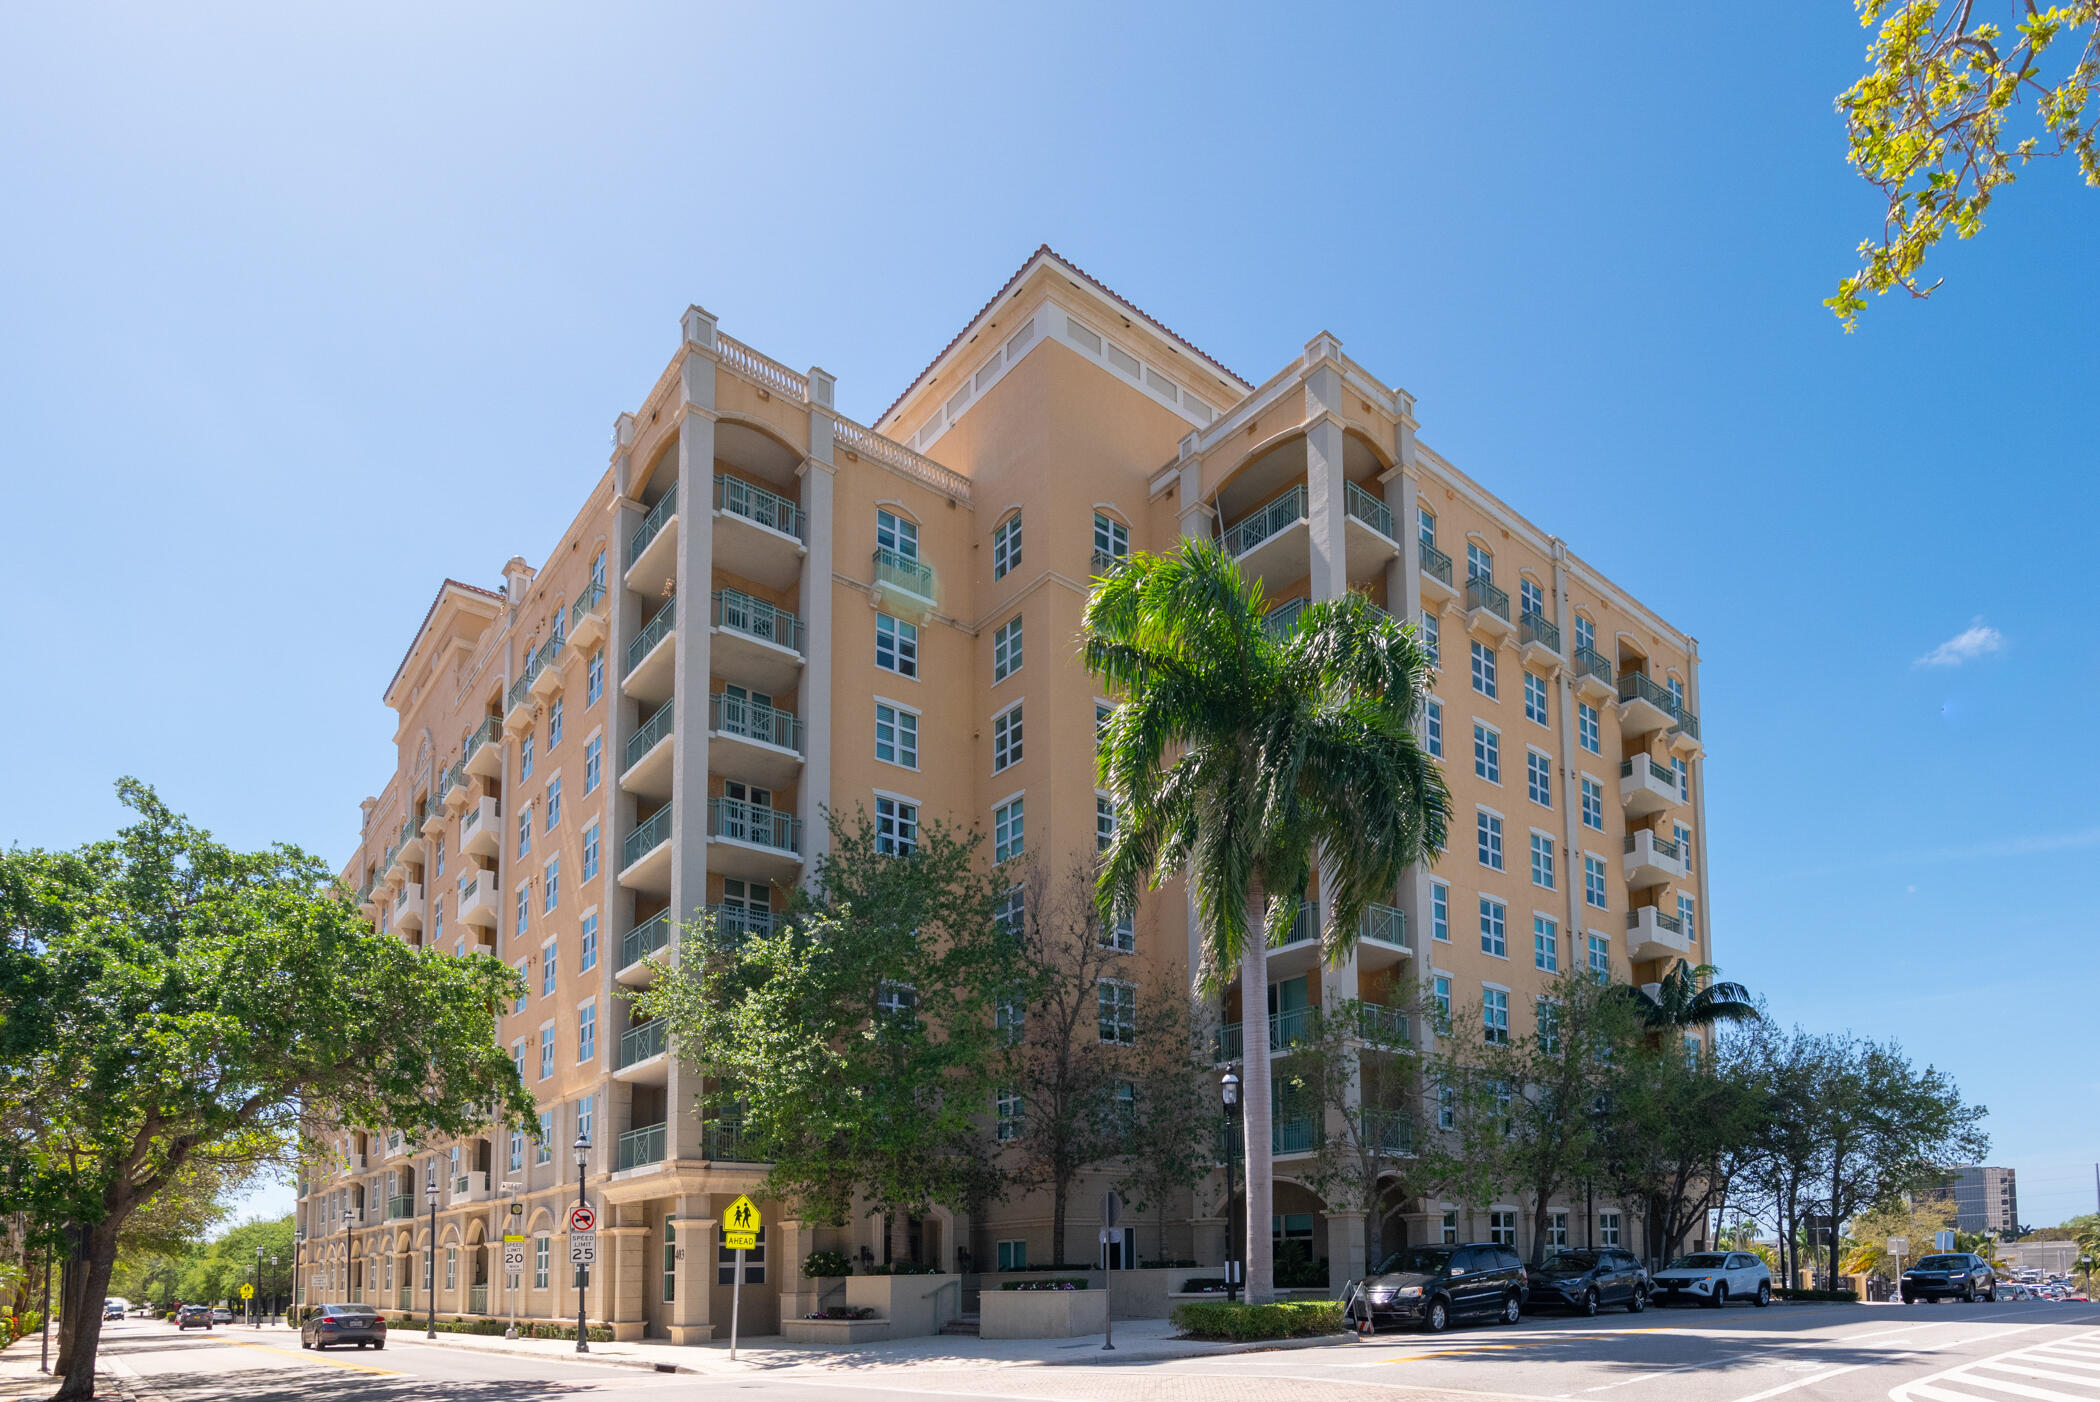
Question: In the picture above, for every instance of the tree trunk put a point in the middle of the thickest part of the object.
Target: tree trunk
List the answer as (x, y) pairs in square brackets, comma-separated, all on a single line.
[(85, 1300), (1254, 1099), (1833, 1281), (1538, 1230), (1059, 1192)]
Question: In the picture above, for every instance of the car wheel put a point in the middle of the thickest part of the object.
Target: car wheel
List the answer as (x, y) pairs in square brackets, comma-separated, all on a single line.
[(1439, 1317), (1512, 1309), (1589, 1303), (1967, 1296), (1638, 1301), (304, 1344), (1764, 1293), (1719, 1297), (1990, 1294), (380, 1345)]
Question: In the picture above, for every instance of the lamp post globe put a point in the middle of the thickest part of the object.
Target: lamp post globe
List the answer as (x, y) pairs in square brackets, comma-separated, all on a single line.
[(430, 1262), (582, 1152)]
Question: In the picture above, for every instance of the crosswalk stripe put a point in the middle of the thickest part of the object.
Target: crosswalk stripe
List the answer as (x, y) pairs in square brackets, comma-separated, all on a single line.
[(2026, 1367), (1933, 1394), (2063, 1360), (2040, 1394)]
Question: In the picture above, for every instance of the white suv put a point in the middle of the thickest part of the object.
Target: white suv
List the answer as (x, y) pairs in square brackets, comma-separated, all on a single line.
[(1713, 1278)]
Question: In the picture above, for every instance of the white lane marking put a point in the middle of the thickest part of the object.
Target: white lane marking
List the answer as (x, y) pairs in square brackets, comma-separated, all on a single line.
[(1800, 1382), (2042, 1394), (2025, 1368), (1949, 1385)]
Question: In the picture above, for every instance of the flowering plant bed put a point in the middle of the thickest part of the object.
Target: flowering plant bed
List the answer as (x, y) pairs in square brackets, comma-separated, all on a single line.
[(842, 1312), (1061, 1283)]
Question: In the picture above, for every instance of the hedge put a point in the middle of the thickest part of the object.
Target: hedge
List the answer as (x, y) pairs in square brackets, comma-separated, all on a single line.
[(1845, 1297), (1061, 1283), (1290, 1319)]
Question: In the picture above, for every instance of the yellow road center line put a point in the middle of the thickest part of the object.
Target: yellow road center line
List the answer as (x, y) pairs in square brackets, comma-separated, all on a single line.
[(314, 1356)]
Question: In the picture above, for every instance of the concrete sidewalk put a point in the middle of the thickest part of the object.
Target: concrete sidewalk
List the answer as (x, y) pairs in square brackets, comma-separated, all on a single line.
[(1137, 1341), (20, 1381)]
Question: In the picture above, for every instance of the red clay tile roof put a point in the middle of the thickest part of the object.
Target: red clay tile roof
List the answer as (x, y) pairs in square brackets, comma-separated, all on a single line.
[(1102, 287), (431, 613)]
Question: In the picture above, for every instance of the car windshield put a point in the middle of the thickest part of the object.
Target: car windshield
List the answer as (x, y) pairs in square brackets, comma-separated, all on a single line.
[(1944, 1263), (1416, 1260), (1569, 1262), (1700, 1261)]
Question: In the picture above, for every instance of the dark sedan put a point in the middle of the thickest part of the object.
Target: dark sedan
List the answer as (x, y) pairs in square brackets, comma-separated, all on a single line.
[(1957, 1276), (1586, 1281), (330, 1325), (1437, 1286)]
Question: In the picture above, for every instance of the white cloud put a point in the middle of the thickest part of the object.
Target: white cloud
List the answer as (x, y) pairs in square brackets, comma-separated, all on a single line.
[(1975, 641)]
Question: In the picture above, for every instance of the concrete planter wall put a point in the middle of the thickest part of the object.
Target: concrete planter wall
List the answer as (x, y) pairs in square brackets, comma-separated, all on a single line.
[(827, 1333), (912, 1304), (1041, 1314), (1141, 1294)]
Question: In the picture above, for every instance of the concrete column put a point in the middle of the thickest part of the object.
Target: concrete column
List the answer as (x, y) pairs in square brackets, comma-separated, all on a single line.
[(1345, 1249), (690, 1312), (690, 670), (813, 790), (1698, 774), (792, 1241), (1324, 489), (624, 1279), (1577, 949)]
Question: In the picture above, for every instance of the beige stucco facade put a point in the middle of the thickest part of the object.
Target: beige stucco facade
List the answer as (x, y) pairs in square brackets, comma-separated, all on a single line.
[(759, 598)]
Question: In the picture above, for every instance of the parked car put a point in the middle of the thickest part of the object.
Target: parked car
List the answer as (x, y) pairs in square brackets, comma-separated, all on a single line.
[(220, 1314), (1436, 1286), (2014, 1291), (1961, 1276), (1713, 1278), (1585, 1281), (113, 1309), (329, 1325), (194, 1317)]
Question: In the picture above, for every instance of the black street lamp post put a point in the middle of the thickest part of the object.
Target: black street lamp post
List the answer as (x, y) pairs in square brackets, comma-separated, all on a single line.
[(1229, 1088), (273, 1281), (255, 1300), (583, 1272), (430, 1262)]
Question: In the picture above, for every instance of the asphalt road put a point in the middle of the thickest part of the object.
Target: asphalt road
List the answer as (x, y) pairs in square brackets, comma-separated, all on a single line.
[(2010, 1352)]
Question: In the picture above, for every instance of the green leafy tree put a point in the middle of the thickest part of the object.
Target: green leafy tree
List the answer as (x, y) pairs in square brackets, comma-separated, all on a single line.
[(1930, 124), (176, 1005), (1356, 1066), (1244, 759), (1170, 1137), (857, 1048)]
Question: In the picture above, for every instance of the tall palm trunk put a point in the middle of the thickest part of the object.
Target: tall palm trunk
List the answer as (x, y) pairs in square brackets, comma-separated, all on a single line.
[(1258, 1252)]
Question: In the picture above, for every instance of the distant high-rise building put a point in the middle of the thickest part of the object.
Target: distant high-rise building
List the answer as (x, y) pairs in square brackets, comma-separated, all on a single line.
[(1985, 1200)]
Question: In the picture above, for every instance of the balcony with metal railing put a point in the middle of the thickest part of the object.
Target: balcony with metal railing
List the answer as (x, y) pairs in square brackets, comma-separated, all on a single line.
[(639, 1046), (588, 615), (482, 752), (639, 1148), (454, 790), (759, 534), (1646, 787), (1437, 587), (647, 674), (753, 842), (1385, 1028), (647, 769), (549, 665), (1286, 1030), (1298, 1134), (1367, 525), (902, 584), (1645, 705), (1487, 611), (1592, 674), (480, 828), (761, 743), (400, 1205), (1684, 729), (1273, 542), (639, 943), (1652, 934), (723, 1142), (1652, 859), (408, 906), (1381, 937), (733, 924), (645, 855), (1391, 1132), (652, 550), (756, 643), (1538, 637), (1282, 620)]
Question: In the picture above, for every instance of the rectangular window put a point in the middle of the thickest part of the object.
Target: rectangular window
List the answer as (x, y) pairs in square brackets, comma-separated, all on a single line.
[(1008, 831), (1118, 1007), (1425, 525), (1688, 912), (1121, 936), (554, 723), (543, 1142), (1535, 697), (1675, 687), (1006, 546), (590, 853), (1487, 753), (896, 645), (1450, 1224), (519, 1007), (593, 763), (1600, 957), (1502, 1228), (670, 1261), (1480, 563), (1484, 670), (437, 918), (437, 857), (1008, 1103), (542, 1261), (1104, 821), (1489, 832), (1102, 711), (546, 1052), (1545, 944), (517, 1149), (1439, 911), (1682, 836), (588, 959), (1433, 727), (1592, 803), (553, 886), (524, 907), (1542, 860), (1010, 1020), (1585, 634), (896, 827), (587, 1033), (586, 1117), (896, 533), (452, 1268), (1431, 639), (1593, 880), (896, 736), (1111, 537), (1011, 911), (1013, 1255), (594, 679), (1494, 1015), (1006, 737), (1494, 927), (550, 965), (525, 758), (1440, 995), (1531, 598), (1006, 649), (1607, 1229), (1538, 778), (1683, 771), (1586, 732), (553, 802)]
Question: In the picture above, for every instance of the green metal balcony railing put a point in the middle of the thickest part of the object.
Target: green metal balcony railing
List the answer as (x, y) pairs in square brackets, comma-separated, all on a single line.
[(1282, 620), (1634, 686), (896, 570), (723, 1141), (737, 821), (1383, 1026), (644, 1041), (1483, 594), (477, 1299), (1662, 921), (641, 1146), (1304, 926), (455, 778), (740, 613), (1661, 846), (1392, 1133), (1384, 923), (645, 939), (1590, 662), (754, 720), (663, 511), (1286, 1030), (653, 632), (489, 732), (735, 924), (1534, 628), (1367, 509), (470, 821), (769, 509), (1684, 721), (1435, 563), (646, 838), (1298, 1135), (1268, 521), (400, 1205), (651, 733), (1662, 774), (520, 690), (592, 596)]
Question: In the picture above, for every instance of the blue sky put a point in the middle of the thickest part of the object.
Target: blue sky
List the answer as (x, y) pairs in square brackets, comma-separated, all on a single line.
[(304, 311)]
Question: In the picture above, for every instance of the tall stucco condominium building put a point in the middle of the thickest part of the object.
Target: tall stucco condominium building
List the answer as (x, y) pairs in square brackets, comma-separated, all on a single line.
[(762, 609)]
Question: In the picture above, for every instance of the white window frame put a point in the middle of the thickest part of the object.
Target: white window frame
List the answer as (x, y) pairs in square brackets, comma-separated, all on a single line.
[(1440, 896), (1487, 752), (1552, 930), (1594, 866), (1489, 839), (1552, 864), (1592, 787), (1486, 670), (586, 1018), (1008, 734), (1535, 690), (1499, 931), (1009, 846), (1006, 546), (897, 801), (1007, 645), (1433, 727), (899, 665), (898, 712)]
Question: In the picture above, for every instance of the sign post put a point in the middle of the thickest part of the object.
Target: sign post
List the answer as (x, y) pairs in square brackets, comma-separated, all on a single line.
[(1899, 1247), (513, 1269), (740, 1229), (583, 1254), (1111, 1213)]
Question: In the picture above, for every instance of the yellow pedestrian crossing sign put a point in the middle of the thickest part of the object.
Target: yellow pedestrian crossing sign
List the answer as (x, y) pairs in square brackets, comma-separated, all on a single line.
[(247, 1292), (740, 1225)]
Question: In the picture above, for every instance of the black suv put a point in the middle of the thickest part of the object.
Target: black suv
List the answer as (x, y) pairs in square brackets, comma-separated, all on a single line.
[(1961, 1276), (1585, 1281), (1434, 1286)]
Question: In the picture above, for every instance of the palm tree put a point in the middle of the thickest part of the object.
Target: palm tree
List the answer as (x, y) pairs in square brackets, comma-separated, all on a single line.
[(1687, 997), (1285, 752)]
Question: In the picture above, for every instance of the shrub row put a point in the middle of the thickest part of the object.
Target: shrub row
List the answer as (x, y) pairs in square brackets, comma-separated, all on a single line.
[(1059, 1283), (1291, 1319), (1828, 1296)]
